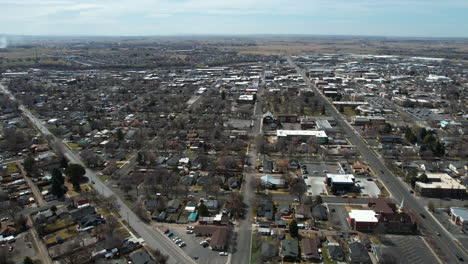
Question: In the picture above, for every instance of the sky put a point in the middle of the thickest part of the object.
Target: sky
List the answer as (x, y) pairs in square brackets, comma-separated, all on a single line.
[(417, 18)]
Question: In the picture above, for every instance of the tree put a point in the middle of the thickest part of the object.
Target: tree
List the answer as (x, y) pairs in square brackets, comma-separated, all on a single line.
[(298, 188), (423, 178), (28, 164), (119, 134), (235, 205), (75, 173), (410, 136), (159, 257), (202, 210), (318, 199), (64, 162), (28, 260), (57, 188), (293, 228)]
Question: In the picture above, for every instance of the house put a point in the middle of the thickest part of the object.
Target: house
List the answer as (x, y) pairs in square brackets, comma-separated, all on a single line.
[(173, 206), (460, 217), (268, 118), (268, 251), (212, 205), (290, 250), (358, 254), (140, 257), (265, 211), (218, 234), (335, 252), (272, 182), (191, 206), (265, 231), (320, 212), (7, 229), (302, 212), (284, 209), (219, 239), (310, 249), (152, 205), (302, 135), (87, 217)]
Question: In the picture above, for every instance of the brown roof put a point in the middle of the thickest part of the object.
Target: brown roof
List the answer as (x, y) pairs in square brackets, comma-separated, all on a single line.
[(310, 247), (382, 205), (219, 238), (7, 228)]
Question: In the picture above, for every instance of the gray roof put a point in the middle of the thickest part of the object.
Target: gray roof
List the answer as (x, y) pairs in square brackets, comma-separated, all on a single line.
[(140, 257), (290, 247)]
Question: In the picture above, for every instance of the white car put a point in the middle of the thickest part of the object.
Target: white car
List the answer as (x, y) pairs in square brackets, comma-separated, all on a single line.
[(182, 244), (175, 238), (189, 231), (223, 253), (189, 227)]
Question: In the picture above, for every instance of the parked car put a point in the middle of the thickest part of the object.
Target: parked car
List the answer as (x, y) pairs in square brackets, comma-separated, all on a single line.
[(169, 234), (223, 253), (166, 231), (182, 244), (189, 227), (189, 231), (175, 238), (459, 257)]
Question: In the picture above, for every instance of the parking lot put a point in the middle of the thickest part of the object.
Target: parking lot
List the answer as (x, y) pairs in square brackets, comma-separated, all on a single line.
[(338, 216), (21, 248), (409, 249), (315, 177), (193, 247), (369, 188), (444, 220)]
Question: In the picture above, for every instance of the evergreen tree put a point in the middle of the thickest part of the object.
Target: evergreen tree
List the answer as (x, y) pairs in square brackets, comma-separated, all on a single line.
[(57, 188), (75, 173), (293, 229)]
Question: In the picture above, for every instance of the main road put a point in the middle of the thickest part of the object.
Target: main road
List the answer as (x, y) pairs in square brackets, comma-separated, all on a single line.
[(398, 190), (242, 253), (153, 238)]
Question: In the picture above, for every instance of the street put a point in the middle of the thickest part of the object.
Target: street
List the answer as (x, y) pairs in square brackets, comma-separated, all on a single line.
[(155, 239), (398, 190)]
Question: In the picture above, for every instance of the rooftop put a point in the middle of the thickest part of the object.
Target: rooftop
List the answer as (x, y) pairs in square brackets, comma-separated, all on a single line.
[(363, 216), (440, 181), (285, 133)]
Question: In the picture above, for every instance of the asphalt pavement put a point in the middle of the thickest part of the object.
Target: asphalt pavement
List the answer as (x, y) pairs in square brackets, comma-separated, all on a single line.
[(398, 190), (153, 238)]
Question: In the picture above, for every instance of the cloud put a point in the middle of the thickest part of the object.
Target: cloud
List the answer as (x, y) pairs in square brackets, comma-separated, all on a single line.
[(24, 16)]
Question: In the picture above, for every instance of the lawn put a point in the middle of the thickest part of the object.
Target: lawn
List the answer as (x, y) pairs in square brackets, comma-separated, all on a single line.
[(326, 257), (72, 145), (63, 234), (383, 190), (349, 111), (102, 177), (254, 249), (11, 167), (59, 224)]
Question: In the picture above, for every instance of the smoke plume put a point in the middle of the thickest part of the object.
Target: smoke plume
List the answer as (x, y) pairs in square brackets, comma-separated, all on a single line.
[(3, 42)]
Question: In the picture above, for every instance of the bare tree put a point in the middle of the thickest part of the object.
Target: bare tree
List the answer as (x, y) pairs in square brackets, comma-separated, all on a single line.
[(298, 188)]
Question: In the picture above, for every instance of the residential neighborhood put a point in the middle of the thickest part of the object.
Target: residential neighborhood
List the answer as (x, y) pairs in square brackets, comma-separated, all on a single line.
[(215, 156)]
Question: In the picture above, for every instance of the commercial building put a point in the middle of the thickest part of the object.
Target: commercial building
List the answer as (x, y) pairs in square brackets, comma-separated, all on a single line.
[(460, 217), (440, 185), (298, 135), (363, 220), (340, 182)]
